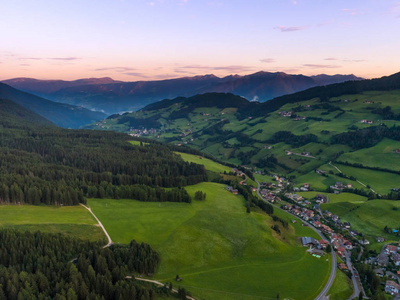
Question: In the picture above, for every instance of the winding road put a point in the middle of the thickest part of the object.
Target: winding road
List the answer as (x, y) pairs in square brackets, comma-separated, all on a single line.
[(323, 294)]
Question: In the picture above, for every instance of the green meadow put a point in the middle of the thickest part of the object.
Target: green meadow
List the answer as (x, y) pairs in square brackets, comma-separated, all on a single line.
[(71, 220), (368, 217), (382, 155), (219, 250), (209, 164)]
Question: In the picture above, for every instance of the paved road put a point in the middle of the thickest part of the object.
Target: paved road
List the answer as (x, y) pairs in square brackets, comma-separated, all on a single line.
[(325, 290), (101, 225)]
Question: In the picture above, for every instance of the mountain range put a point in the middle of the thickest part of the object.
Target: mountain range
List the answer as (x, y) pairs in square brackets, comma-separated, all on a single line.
[(110, 96), (64, 115)]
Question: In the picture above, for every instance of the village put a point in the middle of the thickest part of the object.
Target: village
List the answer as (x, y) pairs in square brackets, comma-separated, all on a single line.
[(340, 237)]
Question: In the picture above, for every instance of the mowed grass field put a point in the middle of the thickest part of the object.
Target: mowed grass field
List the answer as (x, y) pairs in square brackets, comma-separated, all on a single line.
[(219, 250), (72, 220), (368, 217), (209, 164), (382, 155)]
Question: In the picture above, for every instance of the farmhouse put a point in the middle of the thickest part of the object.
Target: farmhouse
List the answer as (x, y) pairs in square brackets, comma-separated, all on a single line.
[(320, 198), (309, 241)]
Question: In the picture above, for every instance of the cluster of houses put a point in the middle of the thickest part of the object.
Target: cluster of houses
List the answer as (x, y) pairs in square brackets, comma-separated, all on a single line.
[(143, 131), (366, 121), (304, 188), (290, 114), (232, 190), (339, 186), (302, 212), (388, 266)]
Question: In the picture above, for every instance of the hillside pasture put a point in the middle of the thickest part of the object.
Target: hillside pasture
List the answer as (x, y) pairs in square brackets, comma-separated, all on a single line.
[(219, 250), (71, 220), (209, 164), (368, 217)]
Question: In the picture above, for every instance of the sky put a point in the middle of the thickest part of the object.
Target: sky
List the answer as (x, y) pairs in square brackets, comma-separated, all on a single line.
[(133, 40)]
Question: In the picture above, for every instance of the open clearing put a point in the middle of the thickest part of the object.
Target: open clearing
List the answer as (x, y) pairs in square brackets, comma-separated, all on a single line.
[(71, 220), (219, 250), (207, 163)]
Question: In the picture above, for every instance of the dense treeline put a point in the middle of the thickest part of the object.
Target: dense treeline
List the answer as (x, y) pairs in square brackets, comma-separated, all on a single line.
[(50, 266), (57, 166), (292, 139), (367, 137)]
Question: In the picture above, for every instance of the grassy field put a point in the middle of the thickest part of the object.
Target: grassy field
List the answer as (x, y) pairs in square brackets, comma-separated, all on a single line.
[(341, 288), (381, 155), (381, 182), (368, 217), (71, 220), (219, 250), (208, 163)]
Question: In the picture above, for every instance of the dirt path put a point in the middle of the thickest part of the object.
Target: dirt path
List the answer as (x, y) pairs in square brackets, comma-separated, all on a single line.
[(159, 284), (101, 225), (364, 185)]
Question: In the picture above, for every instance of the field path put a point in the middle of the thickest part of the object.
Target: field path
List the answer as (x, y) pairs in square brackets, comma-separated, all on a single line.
[(101, 225), (356, 180), (159, 284)]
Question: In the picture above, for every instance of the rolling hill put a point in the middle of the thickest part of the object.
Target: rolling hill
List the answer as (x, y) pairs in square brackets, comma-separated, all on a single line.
[(63, 115), (104, 94), (293, 135)]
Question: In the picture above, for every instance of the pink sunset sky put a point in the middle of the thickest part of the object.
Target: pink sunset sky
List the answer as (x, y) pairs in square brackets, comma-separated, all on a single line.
[(135, 40)]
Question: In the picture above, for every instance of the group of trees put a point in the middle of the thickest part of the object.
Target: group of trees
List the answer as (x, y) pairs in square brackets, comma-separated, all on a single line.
[(50, 266), (56, 166), (367, 137), (292, 139)]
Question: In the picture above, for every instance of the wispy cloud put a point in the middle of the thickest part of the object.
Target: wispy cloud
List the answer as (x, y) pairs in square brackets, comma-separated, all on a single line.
[(354, 60), (330, 58), (116, 69), (65, 58), (290, 29), (294, 2), (184, 72), (351, 11), (136, 74), (30, 58), (267, 60), (318, 66), (231, 69)]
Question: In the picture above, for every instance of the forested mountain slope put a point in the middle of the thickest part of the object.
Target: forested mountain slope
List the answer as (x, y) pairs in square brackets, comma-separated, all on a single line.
[(63, 115)]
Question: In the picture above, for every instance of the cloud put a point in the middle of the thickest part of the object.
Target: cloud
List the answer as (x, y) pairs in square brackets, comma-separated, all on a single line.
[(136, 74), (290, 29), (316, 66), (294, 2), (330, 58), (116, 69), (184, 72), (267, 60), (64, 58), (354, 60), (30, 58), (352, 11), (231, 69)]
